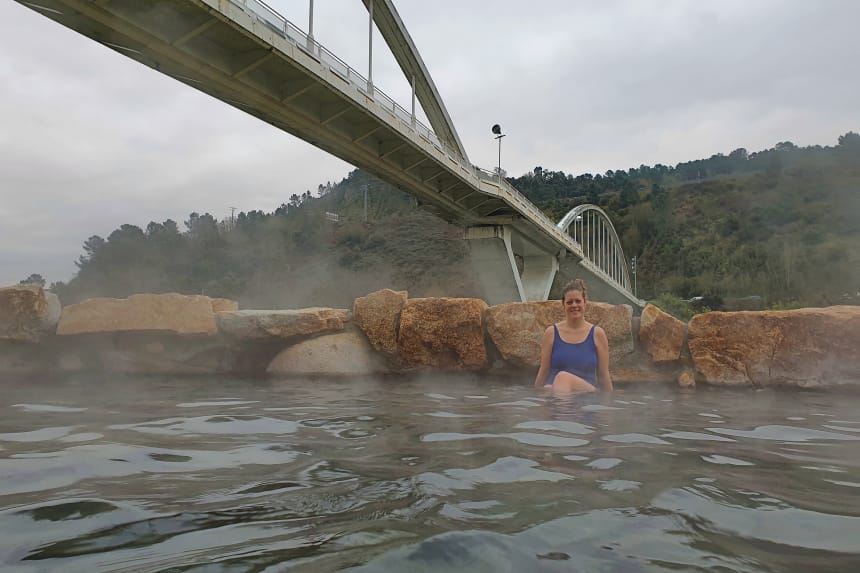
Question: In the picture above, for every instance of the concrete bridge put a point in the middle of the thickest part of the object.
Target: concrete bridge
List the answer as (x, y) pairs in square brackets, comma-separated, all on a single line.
[(247, 55)]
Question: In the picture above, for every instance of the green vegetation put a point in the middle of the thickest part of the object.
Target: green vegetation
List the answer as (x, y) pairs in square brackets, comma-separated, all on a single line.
[(776, 228), (780, 224), (677, 307), (295, 256)]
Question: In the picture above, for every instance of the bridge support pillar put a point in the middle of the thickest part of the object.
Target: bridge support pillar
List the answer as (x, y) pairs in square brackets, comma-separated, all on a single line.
[(507, 267)]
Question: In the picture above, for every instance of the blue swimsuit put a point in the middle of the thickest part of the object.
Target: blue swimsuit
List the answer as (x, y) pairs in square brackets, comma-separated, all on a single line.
[(579, 359)]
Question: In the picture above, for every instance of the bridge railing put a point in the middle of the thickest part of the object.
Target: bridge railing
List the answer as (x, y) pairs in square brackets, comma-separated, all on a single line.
[(289, 31), (524, 204)]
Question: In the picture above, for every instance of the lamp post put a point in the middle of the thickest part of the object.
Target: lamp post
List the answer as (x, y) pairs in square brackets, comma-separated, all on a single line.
[(497, 130), (633, 265)]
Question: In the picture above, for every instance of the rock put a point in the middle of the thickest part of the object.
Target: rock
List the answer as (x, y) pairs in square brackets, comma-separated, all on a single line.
[(52, 317), (806, 348), (639, 375), (269, 324), (686, 379), (342, 354), (617, 321), (170, 312), (224, 304), (443, 333), (146, 353), (25, 313), (516, 328), (378, 315), (661, 335)]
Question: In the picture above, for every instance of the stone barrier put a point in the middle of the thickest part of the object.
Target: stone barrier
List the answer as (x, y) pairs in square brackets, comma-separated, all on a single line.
[(388, 333)]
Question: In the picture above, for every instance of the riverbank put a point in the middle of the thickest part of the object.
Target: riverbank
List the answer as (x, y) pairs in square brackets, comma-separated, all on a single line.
[(386, 332)]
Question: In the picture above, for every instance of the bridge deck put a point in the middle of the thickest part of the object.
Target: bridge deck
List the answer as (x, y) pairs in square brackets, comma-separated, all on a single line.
[(245, 54)]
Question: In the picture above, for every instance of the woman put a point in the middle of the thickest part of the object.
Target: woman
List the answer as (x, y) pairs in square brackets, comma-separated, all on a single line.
[(574, 354)]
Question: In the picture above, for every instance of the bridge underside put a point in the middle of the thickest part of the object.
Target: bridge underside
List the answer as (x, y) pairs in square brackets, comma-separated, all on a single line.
[(216, 47), (508, 267), (269, 69)]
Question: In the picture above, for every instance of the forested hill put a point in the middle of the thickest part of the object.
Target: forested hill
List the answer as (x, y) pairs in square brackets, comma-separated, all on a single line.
[(782, 224)]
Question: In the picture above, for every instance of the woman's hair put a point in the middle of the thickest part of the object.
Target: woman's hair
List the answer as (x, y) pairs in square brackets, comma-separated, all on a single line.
[(575, 284)]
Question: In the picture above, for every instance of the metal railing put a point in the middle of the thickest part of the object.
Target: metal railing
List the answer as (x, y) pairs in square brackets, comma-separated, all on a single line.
[(601, 247), (290, 32)]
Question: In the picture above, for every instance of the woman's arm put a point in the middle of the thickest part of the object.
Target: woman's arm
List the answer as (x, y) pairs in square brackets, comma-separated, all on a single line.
[(545, 357), (602, 344)]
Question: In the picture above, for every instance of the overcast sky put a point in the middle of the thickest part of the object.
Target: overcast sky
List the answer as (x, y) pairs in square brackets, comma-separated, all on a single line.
[(91, 140)]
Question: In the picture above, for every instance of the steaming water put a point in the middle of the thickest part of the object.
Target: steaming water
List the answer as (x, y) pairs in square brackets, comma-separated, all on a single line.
[(439, 474)]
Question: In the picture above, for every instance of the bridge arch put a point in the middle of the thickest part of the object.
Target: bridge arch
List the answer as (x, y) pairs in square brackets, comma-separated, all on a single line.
[(591, 228)]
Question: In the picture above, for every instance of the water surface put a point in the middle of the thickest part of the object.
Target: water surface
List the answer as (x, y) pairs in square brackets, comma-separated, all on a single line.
[(440, 473)]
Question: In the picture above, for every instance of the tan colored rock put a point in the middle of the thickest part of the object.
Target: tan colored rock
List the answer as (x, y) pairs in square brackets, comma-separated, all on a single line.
[(443, 333), (24, 313), (617, 321), (661, 335), (345, 353), (639, 375), (516, 328), (378, 315), (151, 353), (224, 305), (806, 348), (686, 379), (170, 312), (270, 324)]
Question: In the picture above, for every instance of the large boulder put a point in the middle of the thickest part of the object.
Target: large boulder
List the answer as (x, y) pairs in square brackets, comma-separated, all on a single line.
[(516, 328), (661, 335), (169, 312), (806, 348), (146, 353), (284, 324), (27, 313), (622, 376), (442, 333), (224, 304), (345, 353), (617, 321), (378, 315)]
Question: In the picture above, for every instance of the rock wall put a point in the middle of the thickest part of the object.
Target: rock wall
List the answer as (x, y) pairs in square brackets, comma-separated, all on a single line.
[(805, 348), (387, 332)]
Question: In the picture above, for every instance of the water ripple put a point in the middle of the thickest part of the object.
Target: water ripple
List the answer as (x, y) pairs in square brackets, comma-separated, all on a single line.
[(783, 434), (787, 526)]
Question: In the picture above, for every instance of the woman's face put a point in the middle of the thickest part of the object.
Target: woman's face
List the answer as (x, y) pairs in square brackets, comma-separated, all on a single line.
[(574, 303)]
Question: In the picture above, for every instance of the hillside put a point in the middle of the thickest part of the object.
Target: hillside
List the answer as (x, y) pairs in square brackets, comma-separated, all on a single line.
[(779, 224)]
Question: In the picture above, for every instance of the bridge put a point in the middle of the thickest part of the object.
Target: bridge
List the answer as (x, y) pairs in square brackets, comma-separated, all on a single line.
[(247, 55)]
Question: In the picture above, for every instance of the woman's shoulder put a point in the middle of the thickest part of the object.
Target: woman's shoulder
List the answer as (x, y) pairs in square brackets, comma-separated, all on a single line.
[(550, 330)]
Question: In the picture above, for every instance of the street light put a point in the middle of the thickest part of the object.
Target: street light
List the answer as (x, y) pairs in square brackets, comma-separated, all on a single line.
[(497, 130), (633, 265)]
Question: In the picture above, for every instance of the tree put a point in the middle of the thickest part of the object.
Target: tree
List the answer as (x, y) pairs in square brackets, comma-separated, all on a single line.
[(739, 154), (34, 279), (785, 146), (92, 247), (849, 140)]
